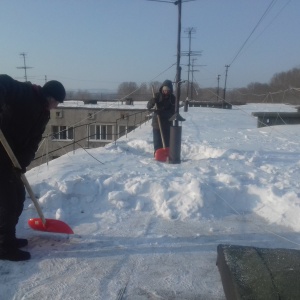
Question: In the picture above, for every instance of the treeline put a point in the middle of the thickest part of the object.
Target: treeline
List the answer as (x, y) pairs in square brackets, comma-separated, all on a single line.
[(283, 87)]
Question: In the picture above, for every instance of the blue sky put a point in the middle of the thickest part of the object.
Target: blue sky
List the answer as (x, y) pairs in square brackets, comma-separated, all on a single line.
[(98, 44)]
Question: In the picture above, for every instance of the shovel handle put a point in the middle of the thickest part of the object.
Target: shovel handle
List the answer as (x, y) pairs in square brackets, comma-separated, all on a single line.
[(23, 177), (33, 198), (159, 123)]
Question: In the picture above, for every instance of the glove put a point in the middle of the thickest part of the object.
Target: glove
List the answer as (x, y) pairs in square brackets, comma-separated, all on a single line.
[(153, 101)]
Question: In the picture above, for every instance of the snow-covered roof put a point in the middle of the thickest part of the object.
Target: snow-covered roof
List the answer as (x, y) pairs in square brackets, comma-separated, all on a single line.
[(104, 104)]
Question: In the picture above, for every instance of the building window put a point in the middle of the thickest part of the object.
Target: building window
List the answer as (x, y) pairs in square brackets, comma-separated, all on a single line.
[(101, 132), (58, 114), (123, 130), (62, 133), (130, 128)]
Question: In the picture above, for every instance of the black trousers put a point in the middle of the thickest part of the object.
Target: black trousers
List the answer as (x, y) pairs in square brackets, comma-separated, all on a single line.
[(157, 141), (12, 197)]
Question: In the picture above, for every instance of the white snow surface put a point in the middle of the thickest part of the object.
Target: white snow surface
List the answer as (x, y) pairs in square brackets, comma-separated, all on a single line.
[(150, 230)]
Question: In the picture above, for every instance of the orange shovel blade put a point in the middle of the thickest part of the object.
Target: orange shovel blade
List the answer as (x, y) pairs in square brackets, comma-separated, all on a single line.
[(51, 225), (162, 154)]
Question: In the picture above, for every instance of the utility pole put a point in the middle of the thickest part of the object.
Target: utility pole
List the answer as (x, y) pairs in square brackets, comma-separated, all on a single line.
[(227, 66), (218, 87), (189, 53), (189, 31), (25, 67), (192, 83), (175, 130), (224, 94), (178, 68), (192, 71)]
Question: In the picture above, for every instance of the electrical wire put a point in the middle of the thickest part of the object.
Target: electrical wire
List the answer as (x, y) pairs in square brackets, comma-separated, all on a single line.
[(276, 16), (260, 20)]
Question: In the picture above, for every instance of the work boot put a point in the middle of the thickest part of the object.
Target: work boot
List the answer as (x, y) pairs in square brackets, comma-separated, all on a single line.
[(16, 243), (20, 243), (15, 255)]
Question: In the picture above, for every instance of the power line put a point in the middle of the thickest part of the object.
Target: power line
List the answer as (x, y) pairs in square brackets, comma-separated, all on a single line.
[(174, 2), (260, 20), (271, 21)]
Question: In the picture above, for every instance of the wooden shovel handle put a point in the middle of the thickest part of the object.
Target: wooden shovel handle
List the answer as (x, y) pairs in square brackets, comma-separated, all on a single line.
[(159, 123)]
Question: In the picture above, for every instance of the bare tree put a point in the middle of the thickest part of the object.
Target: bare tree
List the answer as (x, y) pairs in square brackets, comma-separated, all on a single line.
[(126, 89)]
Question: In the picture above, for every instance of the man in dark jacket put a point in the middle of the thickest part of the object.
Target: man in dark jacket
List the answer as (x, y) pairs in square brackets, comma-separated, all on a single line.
[(164, 102), (24, 114)]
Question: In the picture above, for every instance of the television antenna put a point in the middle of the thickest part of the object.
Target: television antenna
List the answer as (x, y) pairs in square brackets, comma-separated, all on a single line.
[(24, 67)]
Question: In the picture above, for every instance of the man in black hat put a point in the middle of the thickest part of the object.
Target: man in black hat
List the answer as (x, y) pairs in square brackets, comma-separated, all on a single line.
[(24, 114)]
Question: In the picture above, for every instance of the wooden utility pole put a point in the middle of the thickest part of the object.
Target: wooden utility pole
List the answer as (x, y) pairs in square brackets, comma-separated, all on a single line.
[(224, 94), (190, 31), (178, 68), (218, 87)]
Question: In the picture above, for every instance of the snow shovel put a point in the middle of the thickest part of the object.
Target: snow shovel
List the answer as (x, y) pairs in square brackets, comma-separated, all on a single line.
[(41, 224), (161, 154)]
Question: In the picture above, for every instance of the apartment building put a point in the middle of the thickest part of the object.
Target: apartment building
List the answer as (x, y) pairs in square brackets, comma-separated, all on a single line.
[(87, 124)]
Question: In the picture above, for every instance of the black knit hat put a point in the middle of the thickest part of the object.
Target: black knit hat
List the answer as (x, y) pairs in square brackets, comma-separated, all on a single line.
[(54, 89)]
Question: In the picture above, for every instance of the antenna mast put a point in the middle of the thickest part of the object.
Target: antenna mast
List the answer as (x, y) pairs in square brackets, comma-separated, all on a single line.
[(190, 53), (25, 67)]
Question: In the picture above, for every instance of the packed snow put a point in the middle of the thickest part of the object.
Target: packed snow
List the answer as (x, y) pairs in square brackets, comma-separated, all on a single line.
[(144, 229)]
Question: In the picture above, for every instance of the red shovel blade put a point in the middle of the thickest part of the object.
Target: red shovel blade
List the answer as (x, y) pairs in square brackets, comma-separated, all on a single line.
[(51, 225), (162, 154)]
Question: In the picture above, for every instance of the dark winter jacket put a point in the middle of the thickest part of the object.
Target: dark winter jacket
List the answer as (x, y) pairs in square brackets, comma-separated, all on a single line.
[(24, 115), (165, 107)]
